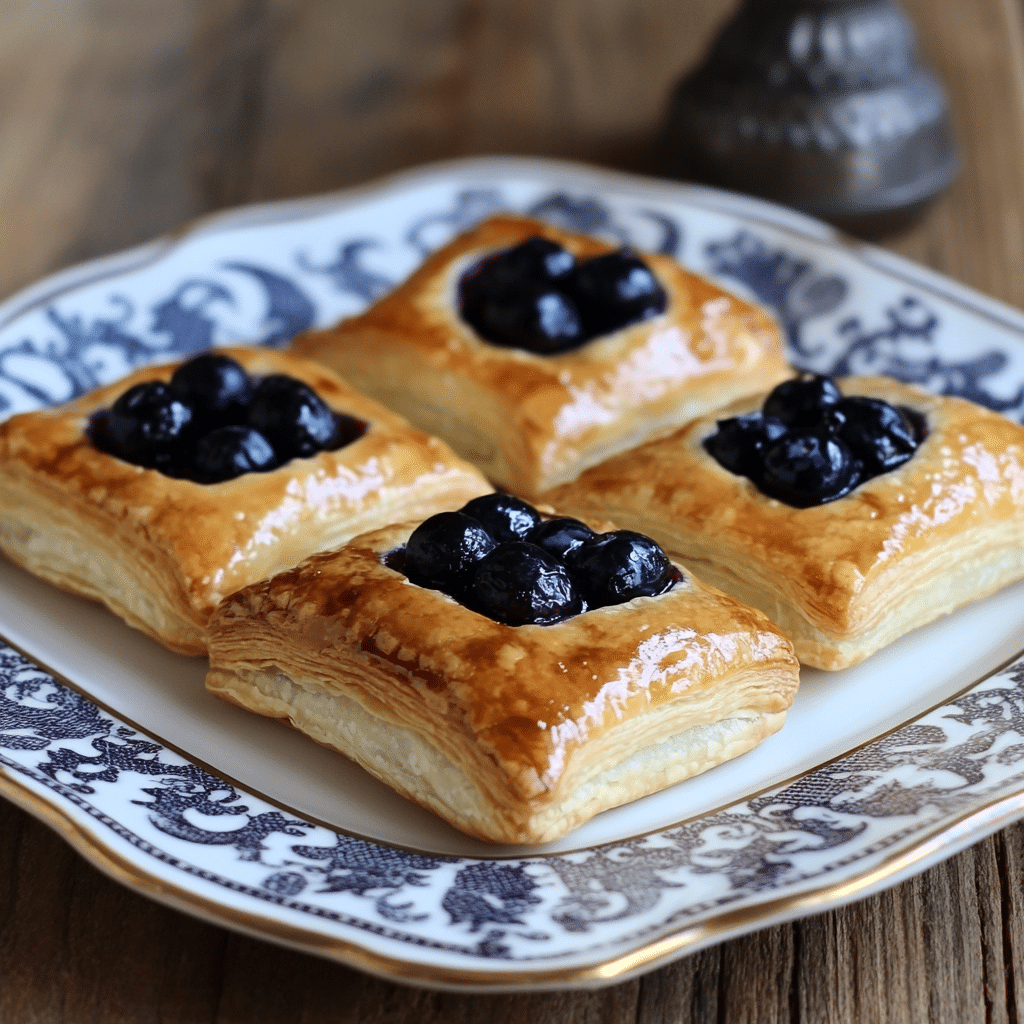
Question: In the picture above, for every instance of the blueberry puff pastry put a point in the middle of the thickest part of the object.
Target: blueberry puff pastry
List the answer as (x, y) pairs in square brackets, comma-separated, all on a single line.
[(535, 352), (161, 550), (862, 556), (513, 734)]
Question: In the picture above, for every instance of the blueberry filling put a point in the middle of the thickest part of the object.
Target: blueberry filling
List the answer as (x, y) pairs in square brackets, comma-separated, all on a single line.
[(536, 574), (537, 297), (561, 536), (292, 417), (504, 516), (808, 466), (809, 445), (443, 551), (615, 290), (520, 584), (215, 388), (803, 401), (611, 568), (227, 452), (739, 443), (881, 434), (213, 422), (149, 424)]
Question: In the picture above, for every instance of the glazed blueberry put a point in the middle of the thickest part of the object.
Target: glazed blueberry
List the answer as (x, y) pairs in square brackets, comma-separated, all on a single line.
[(227, 452), (147, 425), (519, 584), (802, 402), (536, 317), (536, 261), (560, 535), (513, 299), (878, 434), (292, 417), (535, 296), (346, 430), (443, 549), (503, 516), (541, 580), (615, 567), (809, 445), (738, 443), (215, 387), (808, 467), (99, 431), (614, 290), (916, 421)]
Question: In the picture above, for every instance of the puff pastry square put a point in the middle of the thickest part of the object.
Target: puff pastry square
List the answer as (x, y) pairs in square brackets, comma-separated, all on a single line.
[(161, 552), (846, 578), (533, 421), (512, 734)]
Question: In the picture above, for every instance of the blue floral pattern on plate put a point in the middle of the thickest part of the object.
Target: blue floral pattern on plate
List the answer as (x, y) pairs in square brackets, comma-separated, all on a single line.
[(581, 917)]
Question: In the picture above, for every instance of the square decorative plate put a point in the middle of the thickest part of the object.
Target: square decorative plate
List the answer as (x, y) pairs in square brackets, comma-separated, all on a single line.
[(881, 770)]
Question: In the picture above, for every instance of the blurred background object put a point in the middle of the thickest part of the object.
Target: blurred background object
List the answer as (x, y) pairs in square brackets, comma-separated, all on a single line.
[(824, 105)]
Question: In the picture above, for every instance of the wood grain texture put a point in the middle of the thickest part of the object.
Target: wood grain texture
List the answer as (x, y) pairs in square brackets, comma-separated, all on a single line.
[(120, 119)]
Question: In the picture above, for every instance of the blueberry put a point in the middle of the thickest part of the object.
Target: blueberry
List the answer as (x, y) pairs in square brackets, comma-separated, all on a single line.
[(916, 421), (536, 317), (98, 431), (519, 584), (538, 260), (504, 517), (215, 387), (878, 434), (615, 567), (443, 549), (739, 442), (147, 425), (227, 452), (292, 417), (614, 290), (559, 536), (512, 298), (808, 467), (536, 296), (803, 401), (346, 430)]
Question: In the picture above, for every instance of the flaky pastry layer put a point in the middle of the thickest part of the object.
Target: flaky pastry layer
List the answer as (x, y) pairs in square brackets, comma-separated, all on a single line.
[(846, 578), (532, 421), (512, 734), (162, 553)]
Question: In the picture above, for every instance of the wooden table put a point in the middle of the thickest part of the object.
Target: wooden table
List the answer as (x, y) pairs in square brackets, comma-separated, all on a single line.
[(120, 119)]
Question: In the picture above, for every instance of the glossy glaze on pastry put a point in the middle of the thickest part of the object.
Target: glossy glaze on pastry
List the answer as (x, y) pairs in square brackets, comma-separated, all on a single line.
[(531, 421), (845, 578), (162, 552), (511, 733)]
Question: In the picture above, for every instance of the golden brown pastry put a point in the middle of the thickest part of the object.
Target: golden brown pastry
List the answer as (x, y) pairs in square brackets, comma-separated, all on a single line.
[(845, 578), (512, 734), (162, 552), (532, 421)]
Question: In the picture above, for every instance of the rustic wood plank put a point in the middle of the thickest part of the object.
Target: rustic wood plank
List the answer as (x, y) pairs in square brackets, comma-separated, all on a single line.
[(1009, 857), (976, 232), (688, 990), (90, 157), (353, 94)]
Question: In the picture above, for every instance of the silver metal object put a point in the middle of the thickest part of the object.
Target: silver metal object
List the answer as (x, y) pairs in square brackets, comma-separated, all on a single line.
[(824, 105)]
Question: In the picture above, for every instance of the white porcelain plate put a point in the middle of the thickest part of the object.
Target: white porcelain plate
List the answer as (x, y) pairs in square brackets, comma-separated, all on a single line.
[(880, 771)]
